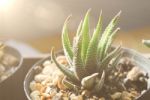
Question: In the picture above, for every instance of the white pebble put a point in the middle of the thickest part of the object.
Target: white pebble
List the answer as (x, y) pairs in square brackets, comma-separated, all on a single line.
[(40, 77), (45, 95), (33, 85), (46, 63), (47, 80), (47, 70), (47, 90), (35, 95)]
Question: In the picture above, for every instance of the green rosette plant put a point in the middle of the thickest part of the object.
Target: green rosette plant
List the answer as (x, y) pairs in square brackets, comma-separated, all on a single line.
[(88, 57)]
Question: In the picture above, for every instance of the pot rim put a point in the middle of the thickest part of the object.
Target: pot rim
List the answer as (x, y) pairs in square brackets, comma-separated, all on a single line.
[(126, 50), (31, 70)]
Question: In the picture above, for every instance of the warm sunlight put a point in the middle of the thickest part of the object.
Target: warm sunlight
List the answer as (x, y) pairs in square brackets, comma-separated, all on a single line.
[(5, 3)]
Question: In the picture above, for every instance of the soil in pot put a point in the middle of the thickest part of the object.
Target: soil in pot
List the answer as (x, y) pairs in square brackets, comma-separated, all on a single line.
[(126, 82)]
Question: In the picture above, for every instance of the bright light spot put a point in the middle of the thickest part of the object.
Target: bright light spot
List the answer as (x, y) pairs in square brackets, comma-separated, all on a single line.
[(5, 3)]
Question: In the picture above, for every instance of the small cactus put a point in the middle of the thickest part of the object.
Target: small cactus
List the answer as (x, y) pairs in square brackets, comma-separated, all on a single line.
[(88, 57)]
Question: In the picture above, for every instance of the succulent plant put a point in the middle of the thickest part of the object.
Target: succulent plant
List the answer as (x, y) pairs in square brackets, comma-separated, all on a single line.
[(146, 42), (88, 57)]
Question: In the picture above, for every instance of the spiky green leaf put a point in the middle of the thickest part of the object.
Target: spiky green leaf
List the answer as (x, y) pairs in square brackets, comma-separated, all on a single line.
[(62, 68), (109, 57), (91, 56), (116, 60), (85, 35), (77, 60), (70, 85), (79, 29), (110, 40), (106, 34), (66, 42), (100, 83), (77, 35)]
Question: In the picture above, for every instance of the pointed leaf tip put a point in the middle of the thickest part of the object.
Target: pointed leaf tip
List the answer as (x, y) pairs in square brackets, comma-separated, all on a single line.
[(115, 31), (100, 84), (68, 18), (66, 42), (89, 10), (52, 50), (79, 28), (118, 28), (101, 13), (117, 16), (85, 35), (119, 13)]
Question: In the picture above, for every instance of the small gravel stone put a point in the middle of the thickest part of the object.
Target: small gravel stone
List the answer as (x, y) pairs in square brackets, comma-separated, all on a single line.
[(10, 60), (80, 97), (86, 93), (46, 95), (65, 98), (43, 89), (73, 95), (47, 70), (48, 89), (126, 96), (116, 96), (57, 78), (65, 94), (40, 77), (47, 81), (62, 60), (134, 74), (58, 96), (35, 95), (2, 69), (102, 98), (126, 63), (53, 92), (33, 85), (46, 63)]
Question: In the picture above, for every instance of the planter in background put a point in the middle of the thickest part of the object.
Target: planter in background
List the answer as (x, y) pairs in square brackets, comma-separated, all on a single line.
[(8, 86), (140, 60)]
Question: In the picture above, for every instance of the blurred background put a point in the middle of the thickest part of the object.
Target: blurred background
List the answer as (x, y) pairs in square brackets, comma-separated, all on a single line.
[(38, 23)]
